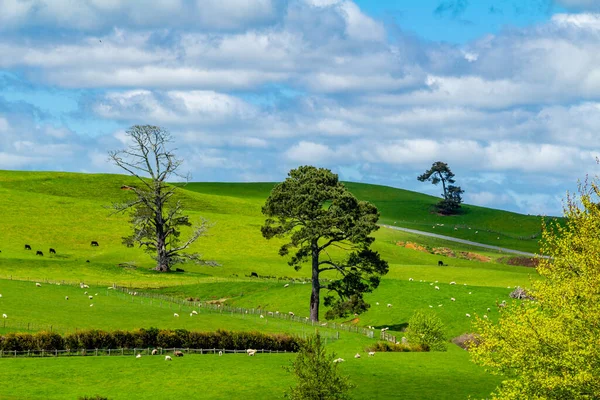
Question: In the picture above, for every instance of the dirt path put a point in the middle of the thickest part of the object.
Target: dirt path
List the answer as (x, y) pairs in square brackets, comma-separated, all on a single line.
[(453, 239)]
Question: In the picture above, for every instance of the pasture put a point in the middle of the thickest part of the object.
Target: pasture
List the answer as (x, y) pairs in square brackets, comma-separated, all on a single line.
[(67, 212)]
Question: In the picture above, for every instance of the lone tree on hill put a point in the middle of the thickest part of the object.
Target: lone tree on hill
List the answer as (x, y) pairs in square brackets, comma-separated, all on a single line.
[(319, 214), (547, 348), (439, 172), (156, 218)]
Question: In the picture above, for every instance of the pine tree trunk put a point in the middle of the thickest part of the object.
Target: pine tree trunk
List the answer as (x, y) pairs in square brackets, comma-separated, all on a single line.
[(316, 286)]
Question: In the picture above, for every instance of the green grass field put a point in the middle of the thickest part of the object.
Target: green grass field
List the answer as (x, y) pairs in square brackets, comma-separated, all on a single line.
[(67, 211)]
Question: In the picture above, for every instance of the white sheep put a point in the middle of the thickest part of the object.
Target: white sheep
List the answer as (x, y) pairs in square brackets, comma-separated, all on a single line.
[(91, 305), (109, 288), (194, 312), (175, 315), (138, 356), (452, 298), (291, 314), (191, 315), (154, 352), (357, 355), (439, 305), (437, 288), (410, 279), (66, 297), (489, 309), (324, 324), (220, 353), (0, 295), (38, 284), (262, 316), (96, 294), (389, 305), (168, 358), (338, 360), (371, 353), (85, 293), (468, 315), (86, 286), (252, 353), (469, 292), (4, 316), (430, 306), (286, 285), (485, 316), (90, 297), (377, 303), (453, 283)]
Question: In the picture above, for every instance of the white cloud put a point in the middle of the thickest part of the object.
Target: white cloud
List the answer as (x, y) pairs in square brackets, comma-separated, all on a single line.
[(309, 153)]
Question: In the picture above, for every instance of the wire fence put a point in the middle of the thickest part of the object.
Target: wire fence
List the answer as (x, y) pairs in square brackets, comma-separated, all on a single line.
[(181, 305), (149, 351)]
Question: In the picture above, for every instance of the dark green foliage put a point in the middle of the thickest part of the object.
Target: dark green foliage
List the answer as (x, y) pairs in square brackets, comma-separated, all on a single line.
[(143, 338), (318, 376), (315, 211), (439, 172), (426, 329), (384, 347), (96, 397)]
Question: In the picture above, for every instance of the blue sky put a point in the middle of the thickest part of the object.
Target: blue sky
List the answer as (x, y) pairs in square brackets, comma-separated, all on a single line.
[(507, 92)]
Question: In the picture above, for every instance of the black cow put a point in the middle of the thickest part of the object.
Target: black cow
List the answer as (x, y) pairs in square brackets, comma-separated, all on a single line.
[(440, 263), (52, 251), (39, 253), (253, 274), (87, 260), (27, 247), (94, 243)]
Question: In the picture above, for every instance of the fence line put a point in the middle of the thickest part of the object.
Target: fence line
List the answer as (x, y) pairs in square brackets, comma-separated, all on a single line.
[(127, 352), (223, 309)]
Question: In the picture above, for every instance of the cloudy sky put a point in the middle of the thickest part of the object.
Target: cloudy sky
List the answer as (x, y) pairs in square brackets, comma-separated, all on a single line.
[(507, 92)]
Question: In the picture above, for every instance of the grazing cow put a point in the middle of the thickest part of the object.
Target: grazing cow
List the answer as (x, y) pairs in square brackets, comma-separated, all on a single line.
[(52, 251), (27, 247), (94, 243), (253, 274), (87, 260), (39, 253), (440, 263)]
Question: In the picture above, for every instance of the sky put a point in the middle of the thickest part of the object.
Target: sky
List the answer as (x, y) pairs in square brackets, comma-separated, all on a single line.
[(507, 92)]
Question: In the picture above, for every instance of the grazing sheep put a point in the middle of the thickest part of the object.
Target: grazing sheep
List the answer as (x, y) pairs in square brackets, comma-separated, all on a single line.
[(191, 315), (410, 279), (138, 356), (175, 315), (178, 353), (90, 297), (324, 324), (371, 353), (154, 352), (66, 297), (85, 293), (4, 316), (452, 298), (38, 284), (86, 286), (0, 295), (91, 305), (96, 294), (168, 358), (453, 283), (389, 305), (194, 312), (439, 305), (484, 316), (262, 316), (286, 285), (220, 353), (338, 360), (489, 309), (250, 352), (291, 314), (437, 288), (469, 292), (468, 315), (377, 303), (357, 355), (430, 306), (109, 288)]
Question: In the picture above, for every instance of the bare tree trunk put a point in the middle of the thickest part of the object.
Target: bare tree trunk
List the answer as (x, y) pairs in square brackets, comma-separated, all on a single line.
[(162, 259), (316, 285)]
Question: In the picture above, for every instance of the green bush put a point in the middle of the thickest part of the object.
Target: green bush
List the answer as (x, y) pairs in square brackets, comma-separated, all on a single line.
[(393, 347), (143, 338), (426, 329)]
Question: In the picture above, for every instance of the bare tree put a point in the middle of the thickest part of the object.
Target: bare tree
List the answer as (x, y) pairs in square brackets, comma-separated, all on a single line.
[(156, 217)]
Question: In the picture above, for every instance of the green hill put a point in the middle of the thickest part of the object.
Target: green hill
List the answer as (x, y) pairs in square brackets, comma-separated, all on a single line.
[(66, 211)]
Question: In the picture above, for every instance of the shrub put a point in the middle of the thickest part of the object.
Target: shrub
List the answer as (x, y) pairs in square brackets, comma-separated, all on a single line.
[(426, 329), (384, 347), (466, 340)]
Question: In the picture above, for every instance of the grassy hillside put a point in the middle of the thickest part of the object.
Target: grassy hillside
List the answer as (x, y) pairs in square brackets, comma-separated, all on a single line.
[(67, 211)]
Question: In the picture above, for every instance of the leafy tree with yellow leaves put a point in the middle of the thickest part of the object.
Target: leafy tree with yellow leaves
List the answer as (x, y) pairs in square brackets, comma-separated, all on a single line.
[(549, 347)]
